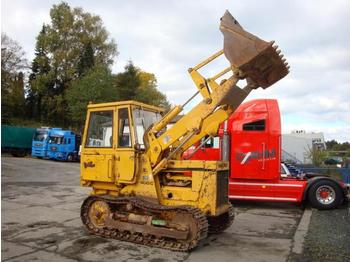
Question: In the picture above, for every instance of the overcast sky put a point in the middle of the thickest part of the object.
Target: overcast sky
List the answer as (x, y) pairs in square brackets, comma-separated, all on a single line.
[(167, 37)]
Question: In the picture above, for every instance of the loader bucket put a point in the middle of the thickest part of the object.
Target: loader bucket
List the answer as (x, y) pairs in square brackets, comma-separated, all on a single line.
[(255, 58)]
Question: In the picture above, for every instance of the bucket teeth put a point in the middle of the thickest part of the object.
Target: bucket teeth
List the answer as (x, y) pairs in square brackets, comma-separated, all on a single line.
[(257, 59)]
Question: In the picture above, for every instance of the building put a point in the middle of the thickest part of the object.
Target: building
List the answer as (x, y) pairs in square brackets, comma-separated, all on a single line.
[(296, 146)]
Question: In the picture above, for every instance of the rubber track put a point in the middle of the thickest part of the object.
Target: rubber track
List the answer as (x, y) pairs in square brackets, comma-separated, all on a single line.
[(149, 240)]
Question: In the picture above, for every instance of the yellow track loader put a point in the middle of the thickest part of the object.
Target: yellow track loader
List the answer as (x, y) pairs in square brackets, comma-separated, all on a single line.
[(141, 190)]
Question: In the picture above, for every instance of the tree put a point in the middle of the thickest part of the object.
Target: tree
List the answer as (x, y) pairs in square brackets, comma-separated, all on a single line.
[(12, 57), (86, 60), (148, 92), (135, 84), (95, 86), (70, 32), (334, 145), (13, 62), (41, 80), (66, 49), (316, 155), (98, 85), (128, 82), (330, 144), (17, 95)]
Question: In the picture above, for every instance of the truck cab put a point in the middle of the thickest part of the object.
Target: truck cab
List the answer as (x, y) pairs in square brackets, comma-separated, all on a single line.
[(40, 141), (256, 171), (63, 145)]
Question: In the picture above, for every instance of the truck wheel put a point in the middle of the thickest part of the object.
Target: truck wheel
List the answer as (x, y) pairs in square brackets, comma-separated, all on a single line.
[(70, 158), (325, 194)]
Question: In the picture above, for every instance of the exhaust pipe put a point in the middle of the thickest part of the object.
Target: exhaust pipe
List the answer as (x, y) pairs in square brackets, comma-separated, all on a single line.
[(225, 144)]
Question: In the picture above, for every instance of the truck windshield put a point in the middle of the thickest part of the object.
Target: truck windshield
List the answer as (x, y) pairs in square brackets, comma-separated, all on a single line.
[(40, 136), (143, 120), (58, 140)]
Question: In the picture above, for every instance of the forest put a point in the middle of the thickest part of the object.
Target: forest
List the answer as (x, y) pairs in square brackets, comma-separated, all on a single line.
[(74, 54)]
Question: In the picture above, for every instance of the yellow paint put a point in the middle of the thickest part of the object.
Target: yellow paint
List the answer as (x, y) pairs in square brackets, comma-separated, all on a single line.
[(157, 171)]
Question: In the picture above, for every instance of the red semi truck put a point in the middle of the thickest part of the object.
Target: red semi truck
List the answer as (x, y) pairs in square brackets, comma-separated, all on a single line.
[(251, 140)]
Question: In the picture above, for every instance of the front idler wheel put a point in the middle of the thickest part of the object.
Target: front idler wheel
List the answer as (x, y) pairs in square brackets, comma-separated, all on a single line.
[(98, 213)]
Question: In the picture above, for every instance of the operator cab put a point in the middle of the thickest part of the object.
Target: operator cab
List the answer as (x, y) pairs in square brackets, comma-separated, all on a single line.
[(113, 135), (101, 126)]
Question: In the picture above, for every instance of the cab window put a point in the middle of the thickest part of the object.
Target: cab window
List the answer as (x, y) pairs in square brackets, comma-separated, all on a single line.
[(213, 142), (124, 138), (58, 140), (255, 126), (143, 119), (282, 171), (216, 142), (100, 131)]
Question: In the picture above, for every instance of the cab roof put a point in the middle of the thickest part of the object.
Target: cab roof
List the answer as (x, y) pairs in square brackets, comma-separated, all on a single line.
[(125, 103)]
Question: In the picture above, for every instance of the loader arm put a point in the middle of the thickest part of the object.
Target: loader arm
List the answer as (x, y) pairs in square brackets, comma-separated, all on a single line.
[(251, 59)]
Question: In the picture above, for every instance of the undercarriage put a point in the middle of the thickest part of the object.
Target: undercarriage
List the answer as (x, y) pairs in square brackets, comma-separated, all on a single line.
[(132, 219)]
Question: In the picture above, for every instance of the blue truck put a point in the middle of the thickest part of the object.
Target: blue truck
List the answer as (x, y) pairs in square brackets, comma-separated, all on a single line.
[(40, 141), (63, 145)]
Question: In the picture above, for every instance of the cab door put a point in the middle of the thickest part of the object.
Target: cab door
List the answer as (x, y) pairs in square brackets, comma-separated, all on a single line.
[(250, 146), (125, 155), (97, 158), (250, 149)]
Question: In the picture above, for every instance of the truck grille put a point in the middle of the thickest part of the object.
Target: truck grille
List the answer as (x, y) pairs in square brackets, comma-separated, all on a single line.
[(222, 188)]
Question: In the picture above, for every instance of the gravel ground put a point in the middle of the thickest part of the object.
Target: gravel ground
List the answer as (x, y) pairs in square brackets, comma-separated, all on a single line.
[(328, 237)]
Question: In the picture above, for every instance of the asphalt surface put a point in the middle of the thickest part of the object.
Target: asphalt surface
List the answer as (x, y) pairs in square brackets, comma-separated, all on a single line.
[(40, 222)]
